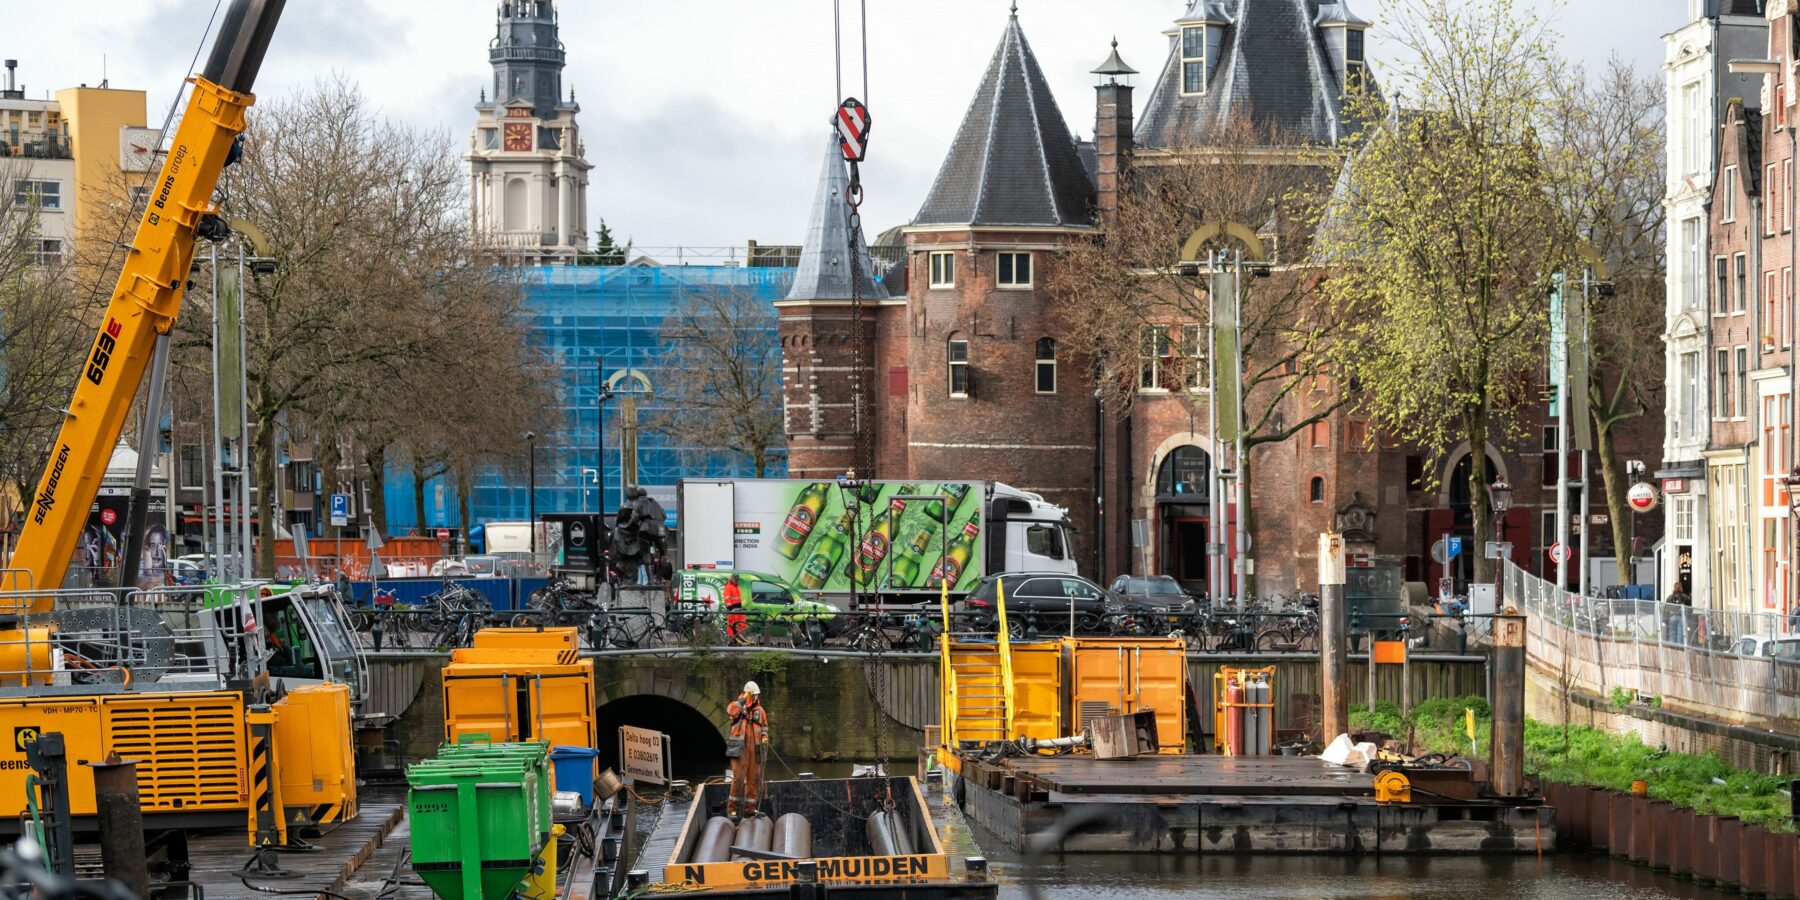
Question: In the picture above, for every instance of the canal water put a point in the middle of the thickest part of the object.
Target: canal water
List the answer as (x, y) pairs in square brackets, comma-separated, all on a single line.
[(1565, 876), (1128, 877)]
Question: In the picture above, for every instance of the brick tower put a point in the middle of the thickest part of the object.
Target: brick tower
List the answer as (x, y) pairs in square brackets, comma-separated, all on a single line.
[(818, 335), (994, 388)]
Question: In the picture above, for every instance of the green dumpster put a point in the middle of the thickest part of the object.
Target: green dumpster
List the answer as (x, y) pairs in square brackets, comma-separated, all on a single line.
[(473, 823)]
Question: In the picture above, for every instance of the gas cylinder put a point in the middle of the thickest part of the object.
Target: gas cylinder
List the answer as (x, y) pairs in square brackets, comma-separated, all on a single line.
[(1256, 718), (1234, 716)]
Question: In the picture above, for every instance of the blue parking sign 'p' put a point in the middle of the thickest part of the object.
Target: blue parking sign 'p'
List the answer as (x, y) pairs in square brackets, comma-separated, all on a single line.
[(1453, 547), (340, 509)]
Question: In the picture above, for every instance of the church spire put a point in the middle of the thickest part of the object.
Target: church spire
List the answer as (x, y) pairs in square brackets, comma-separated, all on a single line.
[(527, 55), (824, 272)]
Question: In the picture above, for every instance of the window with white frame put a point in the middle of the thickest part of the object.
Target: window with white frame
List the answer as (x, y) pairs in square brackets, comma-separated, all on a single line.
[(1694, 136), (1740, 283), (1046, 365), (1721, 285), (45, 252), (943, 269), (1193, 59), (41, 194), (1012, 270), (1692, 257), (1728, 194), (1722, 409), (1193, 348), (1743, 382), (1681, 518), (1353, 59), (958, 359), (1153, 349), (1773, 206), (1690, 396)]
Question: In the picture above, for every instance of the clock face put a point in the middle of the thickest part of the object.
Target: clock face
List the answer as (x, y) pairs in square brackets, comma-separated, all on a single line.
[(518, 136), (139, 149)]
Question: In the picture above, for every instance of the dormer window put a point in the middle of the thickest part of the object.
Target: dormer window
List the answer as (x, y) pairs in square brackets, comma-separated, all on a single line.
[(1353, 59), (1193, 59)]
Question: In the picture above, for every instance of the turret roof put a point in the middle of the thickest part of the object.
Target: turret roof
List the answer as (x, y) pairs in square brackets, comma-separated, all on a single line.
[(1014, 160), (824, 271)]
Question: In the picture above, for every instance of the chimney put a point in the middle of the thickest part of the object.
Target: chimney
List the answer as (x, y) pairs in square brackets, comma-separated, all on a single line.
[(12, 91), (1112, 133)]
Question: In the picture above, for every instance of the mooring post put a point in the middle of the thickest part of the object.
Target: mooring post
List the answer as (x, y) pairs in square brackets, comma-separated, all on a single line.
[(1507, 742), (1334, 646), (120, 814)]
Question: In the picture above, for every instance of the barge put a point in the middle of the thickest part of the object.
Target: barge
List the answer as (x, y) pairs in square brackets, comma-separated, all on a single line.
[(871, 838)]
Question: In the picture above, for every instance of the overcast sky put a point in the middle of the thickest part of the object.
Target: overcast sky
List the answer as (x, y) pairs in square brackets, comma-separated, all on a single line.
[(704, 119)]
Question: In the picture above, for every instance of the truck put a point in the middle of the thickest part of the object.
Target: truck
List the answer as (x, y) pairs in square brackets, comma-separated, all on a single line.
[(895, 540)]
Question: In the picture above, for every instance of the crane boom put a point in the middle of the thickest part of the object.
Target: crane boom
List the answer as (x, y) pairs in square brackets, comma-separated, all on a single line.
[(144, 303)]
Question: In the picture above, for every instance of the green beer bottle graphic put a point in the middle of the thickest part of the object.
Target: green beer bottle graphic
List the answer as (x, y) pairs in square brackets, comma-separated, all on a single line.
[(951, 567), (801, 519), (879, 540), (944, 513), (904, 570), (827, 553)]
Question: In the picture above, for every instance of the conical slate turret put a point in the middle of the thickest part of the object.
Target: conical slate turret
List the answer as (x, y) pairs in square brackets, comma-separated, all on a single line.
[(825, 271)]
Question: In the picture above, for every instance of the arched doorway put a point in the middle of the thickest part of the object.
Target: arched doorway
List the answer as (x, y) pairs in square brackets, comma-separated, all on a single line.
[(1455, 517), (1183, 516), (697, 745)]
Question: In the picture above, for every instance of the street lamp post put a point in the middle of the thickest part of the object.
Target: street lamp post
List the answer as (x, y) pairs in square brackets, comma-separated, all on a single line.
[(603, 394), (531, 489), (1500, 498)]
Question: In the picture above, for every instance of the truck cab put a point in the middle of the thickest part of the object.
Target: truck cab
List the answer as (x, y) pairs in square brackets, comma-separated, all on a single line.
[(1028, 533)]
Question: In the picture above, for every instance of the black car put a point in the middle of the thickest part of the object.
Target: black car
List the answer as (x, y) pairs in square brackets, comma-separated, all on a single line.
[(1152, 593), (1039, 602)]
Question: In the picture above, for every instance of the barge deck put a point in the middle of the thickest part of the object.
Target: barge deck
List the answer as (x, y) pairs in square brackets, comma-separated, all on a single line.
[(1223, 804)]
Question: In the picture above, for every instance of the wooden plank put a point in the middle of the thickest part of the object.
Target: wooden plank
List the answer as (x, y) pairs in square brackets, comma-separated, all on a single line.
[(218, 859)]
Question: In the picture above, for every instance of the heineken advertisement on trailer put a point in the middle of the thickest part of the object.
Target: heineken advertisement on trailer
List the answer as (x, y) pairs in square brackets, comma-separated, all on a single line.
[(895, 539)]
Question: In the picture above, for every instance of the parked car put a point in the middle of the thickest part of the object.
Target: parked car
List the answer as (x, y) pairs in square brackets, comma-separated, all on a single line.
[(765, 597), (1154, 593), (187, 570), (1040, 601), (1768, 646)]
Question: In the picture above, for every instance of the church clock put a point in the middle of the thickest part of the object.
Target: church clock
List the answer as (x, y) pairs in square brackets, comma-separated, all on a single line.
[(518, 137)]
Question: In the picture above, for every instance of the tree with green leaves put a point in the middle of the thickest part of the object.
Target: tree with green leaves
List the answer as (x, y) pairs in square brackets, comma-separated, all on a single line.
[(1443, 237)]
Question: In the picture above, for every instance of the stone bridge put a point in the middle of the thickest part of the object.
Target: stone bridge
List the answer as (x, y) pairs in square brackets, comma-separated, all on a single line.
[(826, 706)]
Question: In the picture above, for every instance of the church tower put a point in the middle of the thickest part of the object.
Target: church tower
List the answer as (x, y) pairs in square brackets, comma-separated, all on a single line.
[(528, 171)]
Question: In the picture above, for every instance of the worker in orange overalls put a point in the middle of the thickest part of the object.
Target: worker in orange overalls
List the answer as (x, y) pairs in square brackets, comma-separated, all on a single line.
[(735, 622), (750, 742)]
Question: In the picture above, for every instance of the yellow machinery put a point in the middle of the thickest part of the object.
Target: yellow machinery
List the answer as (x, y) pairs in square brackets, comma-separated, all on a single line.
[(520, 694), (1392, 787), (529, 638), (205, 757), (193, 750), (1117, 676), (997, 689), (146, 300)]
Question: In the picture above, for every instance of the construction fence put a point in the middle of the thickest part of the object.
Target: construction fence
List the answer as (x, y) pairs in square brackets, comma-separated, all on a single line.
[(1705, 662)]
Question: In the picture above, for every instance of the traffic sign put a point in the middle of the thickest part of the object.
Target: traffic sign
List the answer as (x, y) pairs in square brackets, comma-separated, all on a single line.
[(340, 510), (1446, 549), (443, 534), (1499, 550), (1559, 553)]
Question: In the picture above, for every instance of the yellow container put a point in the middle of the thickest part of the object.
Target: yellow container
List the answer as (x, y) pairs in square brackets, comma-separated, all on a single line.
[(527, 639), (1109, 676), (314, 756), (541, 884), (531, 698)]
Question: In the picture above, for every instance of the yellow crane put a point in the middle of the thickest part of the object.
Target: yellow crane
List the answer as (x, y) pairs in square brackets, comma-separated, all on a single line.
[(177, 210)]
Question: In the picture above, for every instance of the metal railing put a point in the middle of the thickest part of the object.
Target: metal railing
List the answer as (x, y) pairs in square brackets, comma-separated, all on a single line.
[(102, 638), (1664, 654)]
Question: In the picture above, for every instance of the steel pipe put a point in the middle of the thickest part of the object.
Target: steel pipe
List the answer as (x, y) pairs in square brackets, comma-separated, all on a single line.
[(715, 841), (793, 836), (887, 835)]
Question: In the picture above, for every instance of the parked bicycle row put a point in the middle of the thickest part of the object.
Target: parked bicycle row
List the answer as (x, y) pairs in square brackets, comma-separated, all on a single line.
[(449, 618)]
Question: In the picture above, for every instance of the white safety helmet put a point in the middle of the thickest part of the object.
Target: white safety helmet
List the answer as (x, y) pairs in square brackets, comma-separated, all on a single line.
[(751, 688)]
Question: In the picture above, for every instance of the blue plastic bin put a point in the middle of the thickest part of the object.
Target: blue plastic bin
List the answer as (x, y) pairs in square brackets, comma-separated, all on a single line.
[(575, 770)]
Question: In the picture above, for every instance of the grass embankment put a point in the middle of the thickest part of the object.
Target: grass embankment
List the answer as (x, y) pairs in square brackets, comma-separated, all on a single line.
[(1592, 757)]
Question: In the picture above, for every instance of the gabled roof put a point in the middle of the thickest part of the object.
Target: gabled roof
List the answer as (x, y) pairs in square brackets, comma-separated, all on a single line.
[(824, 271), (1273, 69), (1013, 161)]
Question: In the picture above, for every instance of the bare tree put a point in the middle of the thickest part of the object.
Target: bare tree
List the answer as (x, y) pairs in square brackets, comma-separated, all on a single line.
[(1144, 316), (45, 327), (376, 292), (723, 391), (1605, 151)]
